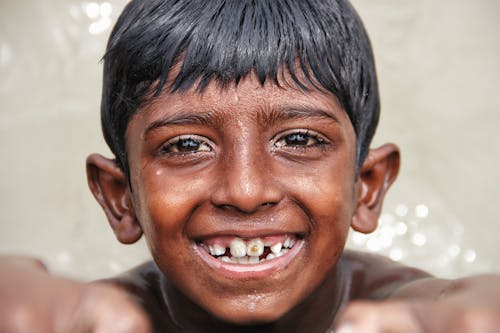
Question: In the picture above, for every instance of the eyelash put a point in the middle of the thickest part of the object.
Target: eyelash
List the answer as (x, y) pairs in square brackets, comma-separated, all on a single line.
[(184, 145), (306, 135), (181, 145)]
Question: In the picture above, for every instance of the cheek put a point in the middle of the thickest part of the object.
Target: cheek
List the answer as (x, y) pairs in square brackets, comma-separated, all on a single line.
[(327, 193), (165, 204), (327, 189)]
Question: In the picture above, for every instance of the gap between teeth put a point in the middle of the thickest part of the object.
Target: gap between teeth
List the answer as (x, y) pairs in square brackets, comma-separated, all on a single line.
[(249, 252)]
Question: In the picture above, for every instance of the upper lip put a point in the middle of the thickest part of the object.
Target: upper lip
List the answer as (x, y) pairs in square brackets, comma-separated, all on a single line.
[(246, 233), (249, 228), (208, 221)]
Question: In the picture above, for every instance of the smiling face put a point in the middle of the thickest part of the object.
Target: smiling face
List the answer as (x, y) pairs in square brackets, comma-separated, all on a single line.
[(222, 179)]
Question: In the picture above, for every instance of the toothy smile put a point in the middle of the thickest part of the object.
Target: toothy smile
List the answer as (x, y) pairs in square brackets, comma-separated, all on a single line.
[(236, 250)]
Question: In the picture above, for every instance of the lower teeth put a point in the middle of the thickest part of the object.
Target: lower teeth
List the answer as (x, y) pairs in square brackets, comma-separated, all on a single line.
[(246, 260)]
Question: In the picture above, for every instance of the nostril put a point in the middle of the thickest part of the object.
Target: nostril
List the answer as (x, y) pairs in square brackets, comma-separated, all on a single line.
[(247, 210)]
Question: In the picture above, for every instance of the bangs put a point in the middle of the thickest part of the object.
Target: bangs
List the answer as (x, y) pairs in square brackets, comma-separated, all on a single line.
[(225, 41)]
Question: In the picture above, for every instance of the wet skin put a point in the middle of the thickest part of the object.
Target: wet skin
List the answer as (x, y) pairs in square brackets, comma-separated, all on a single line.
[(258, 162), (246, 161), (356, 276)]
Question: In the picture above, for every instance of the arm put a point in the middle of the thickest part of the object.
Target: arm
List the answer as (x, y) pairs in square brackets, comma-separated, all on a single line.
[(424, 304), (32, 300)]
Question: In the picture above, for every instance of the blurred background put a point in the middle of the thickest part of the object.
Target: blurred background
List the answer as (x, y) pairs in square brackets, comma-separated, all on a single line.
[(439, 71)]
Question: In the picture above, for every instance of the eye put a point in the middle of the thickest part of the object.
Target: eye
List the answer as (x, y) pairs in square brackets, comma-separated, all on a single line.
[(186, 144), (300, 139)]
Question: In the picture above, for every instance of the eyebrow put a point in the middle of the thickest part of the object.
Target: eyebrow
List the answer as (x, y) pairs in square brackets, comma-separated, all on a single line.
[(266, 119), (183, 118), (291, 113)]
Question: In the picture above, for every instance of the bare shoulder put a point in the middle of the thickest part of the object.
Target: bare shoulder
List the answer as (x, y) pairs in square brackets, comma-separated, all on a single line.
[(376, 277), (145, 284)]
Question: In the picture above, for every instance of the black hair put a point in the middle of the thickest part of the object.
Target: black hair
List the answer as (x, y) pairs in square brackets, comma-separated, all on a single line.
[(225, 40)]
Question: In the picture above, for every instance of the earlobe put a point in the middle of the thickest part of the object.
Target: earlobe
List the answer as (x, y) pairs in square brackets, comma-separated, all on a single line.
[(376, 175), (109, 186)]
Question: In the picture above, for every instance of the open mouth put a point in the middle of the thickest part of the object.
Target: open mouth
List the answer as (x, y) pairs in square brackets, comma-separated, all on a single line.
[(252, 251), (259, 254)]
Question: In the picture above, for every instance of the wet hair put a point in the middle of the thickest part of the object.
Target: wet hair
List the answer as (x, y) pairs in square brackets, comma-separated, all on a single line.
[(225, 40)]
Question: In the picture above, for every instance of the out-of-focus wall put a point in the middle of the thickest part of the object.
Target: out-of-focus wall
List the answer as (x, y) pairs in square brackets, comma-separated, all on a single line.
[(439, 70)]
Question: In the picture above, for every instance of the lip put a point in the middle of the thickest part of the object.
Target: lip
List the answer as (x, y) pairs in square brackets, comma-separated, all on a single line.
[(249, 271)]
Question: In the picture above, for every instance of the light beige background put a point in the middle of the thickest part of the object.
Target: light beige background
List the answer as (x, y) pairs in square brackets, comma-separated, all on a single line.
[(439, 69)]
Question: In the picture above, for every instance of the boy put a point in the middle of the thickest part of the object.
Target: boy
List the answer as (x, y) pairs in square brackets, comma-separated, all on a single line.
[(241, 131)]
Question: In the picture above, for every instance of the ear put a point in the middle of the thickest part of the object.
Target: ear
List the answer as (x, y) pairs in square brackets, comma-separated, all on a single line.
[(109, 186), (376, 175)]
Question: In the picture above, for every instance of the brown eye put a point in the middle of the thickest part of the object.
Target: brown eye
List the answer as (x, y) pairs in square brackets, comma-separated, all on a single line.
[(299, 139), (186, 144)]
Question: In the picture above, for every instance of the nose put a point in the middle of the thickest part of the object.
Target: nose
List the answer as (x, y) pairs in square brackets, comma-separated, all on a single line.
[(246, 183)]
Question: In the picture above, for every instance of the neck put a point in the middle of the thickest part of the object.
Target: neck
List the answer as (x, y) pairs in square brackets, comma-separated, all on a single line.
[(314, 314)]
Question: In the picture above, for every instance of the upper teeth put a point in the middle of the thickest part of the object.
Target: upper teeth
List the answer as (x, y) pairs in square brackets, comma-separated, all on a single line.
[(243, 252), (217, 250), (289, 242), (255, 247), (276, 248), (237, 248)]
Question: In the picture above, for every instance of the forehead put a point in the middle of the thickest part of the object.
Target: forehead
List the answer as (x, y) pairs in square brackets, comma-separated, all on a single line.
[(247, 99)]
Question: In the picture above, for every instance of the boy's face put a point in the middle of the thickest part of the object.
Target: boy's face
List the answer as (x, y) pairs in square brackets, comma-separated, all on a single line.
[(256, 164)]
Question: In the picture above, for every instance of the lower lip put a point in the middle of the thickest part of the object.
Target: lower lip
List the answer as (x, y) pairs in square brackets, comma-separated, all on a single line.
[(250, 271)]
